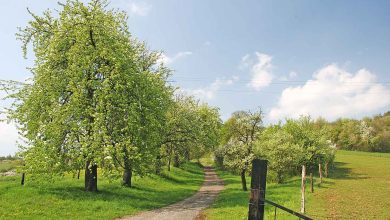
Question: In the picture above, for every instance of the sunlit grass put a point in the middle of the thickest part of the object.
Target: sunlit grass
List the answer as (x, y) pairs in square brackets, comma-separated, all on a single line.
[(66, 199), (357, 189)]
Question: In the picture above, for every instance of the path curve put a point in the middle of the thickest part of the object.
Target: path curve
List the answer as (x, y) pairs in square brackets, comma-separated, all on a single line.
[(190, 207)]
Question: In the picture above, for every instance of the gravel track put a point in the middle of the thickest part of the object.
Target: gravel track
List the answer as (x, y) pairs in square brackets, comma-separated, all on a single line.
[(189, 208)]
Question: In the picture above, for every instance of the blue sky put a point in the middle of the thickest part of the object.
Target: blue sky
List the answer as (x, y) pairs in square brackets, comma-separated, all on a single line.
[(291, 58)]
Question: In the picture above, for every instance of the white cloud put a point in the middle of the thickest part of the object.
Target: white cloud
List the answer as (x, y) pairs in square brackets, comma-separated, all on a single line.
[(332, 93), (139, 8), (260, 68), (210, 91), (169, 60)]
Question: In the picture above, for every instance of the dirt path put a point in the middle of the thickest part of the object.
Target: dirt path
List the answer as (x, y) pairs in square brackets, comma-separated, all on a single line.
[(190, 207)]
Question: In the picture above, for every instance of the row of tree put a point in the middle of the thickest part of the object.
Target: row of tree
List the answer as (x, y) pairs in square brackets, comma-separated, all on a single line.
[(98, 98), (287, 146), (368, 134)]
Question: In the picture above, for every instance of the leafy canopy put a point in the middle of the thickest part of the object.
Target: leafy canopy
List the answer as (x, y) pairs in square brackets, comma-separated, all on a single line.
[(96, 93)]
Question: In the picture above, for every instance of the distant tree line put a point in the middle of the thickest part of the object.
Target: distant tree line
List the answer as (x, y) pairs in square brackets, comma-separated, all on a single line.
[(9, 157), (368, 134)]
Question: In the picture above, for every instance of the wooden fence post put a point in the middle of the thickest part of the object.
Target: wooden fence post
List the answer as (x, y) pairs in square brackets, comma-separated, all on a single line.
[(22, 181), (258, 186), (320, 172), (303, 183)]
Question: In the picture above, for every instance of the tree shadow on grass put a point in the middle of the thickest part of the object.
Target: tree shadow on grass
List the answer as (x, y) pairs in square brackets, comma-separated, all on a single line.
[(137, 197), (183, 179), (342, 172)]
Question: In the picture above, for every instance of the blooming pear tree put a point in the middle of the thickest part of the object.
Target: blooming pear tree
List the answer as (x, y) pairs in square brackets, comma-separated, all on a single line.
[(96, 95)]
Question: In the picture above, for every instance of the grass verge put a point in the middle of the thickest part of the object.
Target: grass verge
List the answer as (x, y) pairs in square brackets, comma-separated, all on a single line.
[(66, 199), (358, 188)]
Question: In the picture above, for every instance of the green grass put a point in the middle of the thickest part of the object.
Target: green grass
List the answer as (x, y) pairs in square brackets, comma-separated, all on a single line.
[(6, 165), (232, 203), (66, 199), (358, 188)]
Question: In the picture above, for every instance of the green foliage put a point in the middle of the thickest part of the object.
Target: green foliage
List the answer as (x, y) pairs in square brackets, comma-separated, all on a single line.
[(368, 134), (237, 156), (96, 95), (278, 147), (238, 135), (312, 142), (295, 143), (287, 147), (191, 129)]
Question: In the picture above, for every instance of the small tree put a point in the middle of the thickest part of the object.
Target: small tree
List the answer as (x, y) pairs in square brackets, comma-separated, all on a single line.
[(312, 142), (278, 147), (238, 136)]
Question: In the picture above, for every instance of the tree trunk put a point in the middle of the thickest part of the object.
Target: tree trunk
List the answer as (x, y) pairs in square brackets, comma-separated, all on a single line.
[(169, 154), (127, 174), (243, 180), (22, 181), (279, 178), (320, 172), (169, 164), (90, 177), (326, 169), (158, 165), (187, 155), (303, 183), (176, 160), (311, 183), (78, 174)]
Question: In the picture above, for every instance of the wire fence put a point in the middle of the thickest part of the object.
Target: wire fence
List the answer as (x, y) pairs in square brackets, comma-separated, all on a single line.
[(277, 206)]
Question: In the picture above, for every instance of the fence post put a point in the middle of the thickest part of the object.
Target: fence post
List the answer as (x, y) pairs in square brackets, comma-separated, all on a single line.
[(320, 172), (258, 186), (22, 181), (303, 183)]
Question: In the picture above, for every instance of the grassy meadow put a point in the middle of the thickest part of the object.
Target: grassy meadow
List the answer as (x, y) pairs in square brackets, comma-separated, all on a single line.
[(7, 165), (357, 188), (66, 199)]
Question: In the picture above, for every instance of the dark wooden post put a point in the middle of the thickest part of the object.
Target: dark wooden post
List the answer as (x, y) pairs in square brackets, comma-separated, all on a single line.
[(22, 181), (23, 176), (258, 186)]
